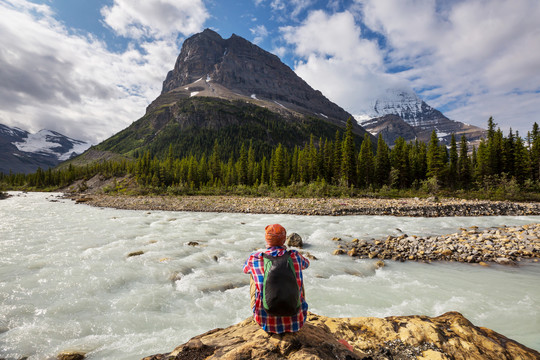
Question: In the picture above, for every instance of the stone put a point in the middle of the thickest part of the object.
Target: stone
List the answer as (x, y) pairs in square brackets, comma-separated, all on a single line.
[(352, 252), (193, 243), (448, 336), (447, 252), (135, 253), (380, 264), (504, 261), (295, 240), (71, 355), (338, 252)]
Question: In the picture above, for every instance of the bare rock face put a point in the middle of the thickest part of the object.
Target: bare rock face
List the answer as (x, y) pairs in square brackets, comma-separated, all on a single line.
[(245, 69), (449, 336)]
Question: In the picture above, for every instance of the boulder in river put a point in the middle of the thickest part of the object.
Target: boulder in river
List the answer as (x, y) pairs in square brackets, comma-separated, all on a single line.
[(295, 240)]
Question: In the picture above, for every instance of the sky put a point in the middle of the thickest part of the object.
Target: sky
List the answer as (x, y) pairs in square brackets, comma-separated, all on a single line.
[(89, 68)]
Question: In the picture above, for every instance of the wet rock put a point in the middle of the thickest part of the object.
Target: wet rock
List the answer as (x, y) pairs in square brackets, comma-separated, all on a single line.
[(135, 253), (295, 240), (71, 355), (449, 336), (380, 264), (504, 261), (309, 255), (193, 243)]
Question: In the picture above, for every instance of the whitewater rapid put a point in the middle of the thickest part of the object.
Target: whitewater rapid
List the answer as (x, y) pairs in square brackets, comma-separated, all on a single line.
[(67, 282)]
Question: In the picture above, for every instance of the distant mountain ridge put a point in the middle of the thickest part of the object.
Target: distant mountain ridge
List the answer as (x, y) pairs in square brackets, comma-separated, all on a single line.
[(23, 152), (402, 113)]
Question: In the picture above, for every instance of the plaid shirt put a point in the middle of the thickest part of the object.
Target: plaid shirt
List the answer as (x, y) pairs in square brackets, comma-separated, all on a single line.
[(276, 324)]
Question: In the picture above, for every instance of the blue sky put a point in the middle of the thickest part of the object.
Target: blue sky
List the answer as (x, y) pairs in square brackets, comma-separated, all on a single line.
[(89, 68)]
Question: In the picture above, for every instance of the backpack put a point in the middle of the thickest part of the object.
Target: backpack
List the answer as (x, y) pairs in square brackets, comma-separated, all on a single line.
[(280, 292)]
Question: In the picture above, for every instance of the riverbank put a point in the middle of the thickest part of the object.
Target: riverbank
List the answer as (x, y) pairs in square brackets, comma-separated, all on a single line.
[(416, 207), (504, 245)]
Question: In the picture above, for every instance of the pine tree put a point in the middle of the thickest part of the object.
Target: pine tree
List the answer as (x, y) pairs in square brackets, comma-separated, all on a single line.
[(399, 161), (535, 153), (418, 161), (251, 164), (336, 161), (452, 178), (464, 165), (348, 156), (278, 162), (366, 163), (521, 160), (215, 163), (243, 166), (382, 163), (435, 158)]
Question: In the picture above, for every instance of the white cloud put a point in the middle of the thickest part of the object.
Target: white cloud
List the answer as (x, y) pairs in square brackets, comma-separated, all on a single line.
[(477, 57), (347, 69), (260, 33), (155, 18), (54, 79)]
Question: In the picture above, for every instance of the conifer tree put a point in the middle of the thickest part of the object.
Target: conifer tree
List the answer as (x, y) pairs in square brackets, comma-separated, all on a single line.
[(418, 161), (348, 156), (278, 166), (464, 165), (435, 158), (452, 178), (243, 165), (521, 160), (215, 163), (399, 161), (382, 163), (336, 161), (251, 164), (535, 153), (366, 163)]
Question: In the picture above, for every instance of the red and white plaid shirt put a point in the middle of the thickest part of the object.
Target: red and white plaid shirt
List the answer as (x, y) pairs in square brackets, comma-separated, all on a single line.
[(276, 324)]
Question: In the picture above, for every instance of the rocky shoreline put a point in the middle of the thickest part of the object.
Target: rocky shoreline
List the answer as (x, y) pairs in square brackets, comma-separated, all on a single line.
[(503, 245), (445, 337), (415, 207)]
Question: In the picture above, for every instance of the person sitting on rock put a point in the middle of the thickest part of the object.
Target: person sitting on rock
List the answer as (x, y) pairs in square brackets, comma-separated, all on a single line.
[(282, 317)]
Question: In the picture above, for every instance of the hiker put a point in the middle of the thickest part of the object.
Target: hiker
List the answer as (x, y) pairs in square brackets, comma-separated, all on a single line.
[(281, 315)]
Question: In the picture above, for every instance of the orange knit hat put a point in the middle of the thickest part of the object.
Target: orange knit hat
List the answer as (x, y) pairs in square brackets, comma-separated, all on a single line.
[(275, 235)]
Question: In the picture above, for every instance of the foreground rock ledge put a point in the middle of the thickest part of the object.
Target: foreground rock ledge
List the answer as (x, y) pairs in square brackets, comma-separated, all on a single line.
[(449, 336)]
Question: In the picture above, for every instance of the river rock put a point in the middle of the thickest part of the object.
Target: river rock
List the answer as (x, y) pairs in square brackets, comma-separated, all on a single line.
[(295, 240), (449, 336), (135, 253), (71, 355)]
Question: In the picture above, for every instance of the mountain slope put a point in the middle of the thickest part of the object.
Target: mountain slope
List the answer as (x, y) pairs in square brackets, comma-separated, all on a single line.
[(416, 115), (22, 152), (235, 92)]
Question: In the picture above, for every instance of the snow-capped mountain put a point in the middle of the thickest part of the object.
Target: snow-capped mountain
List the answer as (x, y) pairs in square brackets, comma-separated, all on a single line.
[(399, 112), (23, 152)]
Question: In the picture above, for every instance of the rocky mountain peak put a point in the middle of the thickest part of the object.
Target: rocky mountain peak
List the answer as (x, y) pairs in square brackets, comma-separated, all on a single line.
[(233, 67)]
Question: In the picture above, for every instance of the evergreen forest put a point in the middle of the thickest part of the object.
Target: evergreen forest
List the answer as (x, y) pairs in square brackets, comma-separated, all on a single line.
[(500, 167)]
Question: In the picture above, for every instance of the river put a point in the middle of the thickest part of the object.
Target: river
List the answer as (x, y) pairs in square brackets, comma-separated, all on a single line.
[(67, 282)]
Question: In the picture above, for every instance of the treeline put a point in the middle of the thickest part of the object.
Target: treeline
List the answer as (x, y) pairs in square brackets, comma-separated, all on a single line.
[(499, 163)]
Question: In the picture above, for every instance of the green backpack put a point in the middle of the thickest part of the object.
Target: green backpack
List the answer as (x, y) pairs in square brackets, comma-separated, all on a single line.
[(280, 292)]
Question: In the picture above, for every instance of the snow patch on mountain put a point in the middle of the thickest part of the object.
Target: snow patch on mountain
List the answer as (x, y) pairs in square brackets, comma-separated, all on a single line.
[(402, 102), (53, 143)]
